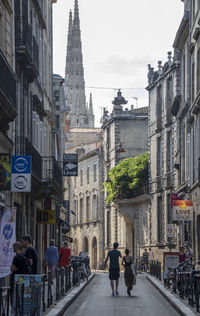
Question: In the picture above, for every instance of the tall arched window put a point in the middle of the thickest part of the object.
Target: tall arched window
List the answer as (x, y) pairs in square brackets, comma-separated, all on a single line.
[(87, 209), (94, 208), (81, 211)]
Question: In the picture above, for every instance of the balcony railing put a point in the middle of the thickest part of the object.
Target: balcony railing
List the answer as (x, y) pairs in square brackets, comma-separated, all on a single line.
[(23, 37), (159, 183), (169, 179), (25, 147), (35, 55), (8, 107), (51, 171)]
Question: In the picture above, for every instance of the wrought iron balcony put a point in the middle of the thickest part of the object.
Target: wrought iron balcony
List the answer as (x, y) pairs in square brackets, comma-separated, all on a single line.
[(23, 38), (51, 172), (25, 147), (159, 183), (169, 179), (8, 107), (27, 50), (35, 56)]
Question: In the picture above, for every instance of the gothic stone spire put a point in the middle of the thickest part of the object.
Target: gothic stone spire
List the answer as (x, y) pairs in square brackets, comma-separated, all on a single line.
[(74, 78)]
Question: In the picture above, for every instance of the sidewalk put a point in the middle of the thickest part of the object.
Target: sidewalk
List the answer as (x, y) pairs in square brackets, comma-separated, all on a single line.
[(179, 305), (59, 307)]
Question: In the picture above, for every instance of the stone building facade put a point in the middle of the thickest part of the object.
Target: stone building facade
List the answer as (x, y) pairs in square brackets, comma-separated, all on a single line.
[(87, 202), (125, 135), (32, 116), (8, 99), (164, 92), (186, 111)]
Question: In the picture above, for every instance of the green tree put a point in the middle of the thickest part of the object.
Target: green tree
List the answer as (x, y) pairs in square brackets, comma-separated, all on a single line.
[(130, 175)]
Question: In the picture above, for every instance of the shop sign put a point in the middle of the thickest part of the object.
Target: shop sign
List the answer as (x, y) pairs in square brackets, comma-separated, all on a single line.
[(5, 172), (21, 174), (182, 210), (70, 165), (46, 217), (170, 230), (170, 260)]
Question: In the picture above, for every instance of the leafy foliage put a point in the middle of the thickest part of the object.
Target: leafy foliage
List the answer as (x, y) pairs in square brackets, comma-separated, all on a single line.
[(130, 175)]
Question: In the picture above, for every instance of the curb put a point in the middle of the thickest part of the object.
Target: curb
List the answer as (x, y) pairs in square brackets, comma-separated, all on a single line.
[(63, 304), (180, 307)]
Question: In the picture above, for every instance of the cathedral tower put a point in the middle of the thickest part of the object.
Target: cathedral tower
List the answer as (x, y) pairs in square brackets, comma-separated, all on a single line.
[(79, 115)]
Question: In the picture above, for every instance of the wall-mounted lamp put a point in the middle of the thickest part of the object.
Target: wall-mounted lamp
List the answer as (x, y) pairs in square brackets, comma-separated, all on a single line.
[(120, 149)]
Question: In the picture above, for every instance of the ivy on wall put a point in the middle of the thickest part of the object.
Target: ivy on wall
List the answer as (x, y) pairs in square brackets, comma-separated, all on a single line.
[(126, 178)]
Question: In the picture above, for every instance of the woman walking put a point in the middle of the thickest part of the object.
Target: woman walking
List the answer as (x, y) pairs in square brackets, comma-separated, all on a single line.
[(128, 274)]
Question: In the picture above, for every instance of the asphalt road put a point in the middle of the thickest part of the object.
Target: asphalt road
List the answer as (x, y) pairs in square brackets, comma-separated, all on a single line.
[(96, 300)]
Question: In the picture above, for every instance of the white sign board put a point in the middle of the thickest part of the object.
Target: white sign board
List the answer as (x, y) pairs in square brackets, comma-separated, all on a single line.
[(171, 260), (182, 210), (170, 230)]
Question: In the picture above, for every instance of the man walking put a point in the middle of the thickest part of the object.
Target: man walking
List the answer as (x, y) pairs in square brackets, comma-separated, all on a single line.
[(114, 270), (65, 255), (30, 253), (52, 258)]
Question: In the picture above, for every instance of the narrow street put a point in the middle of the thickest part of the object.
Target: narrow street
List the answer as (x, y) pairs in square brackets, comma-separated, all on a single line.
[(96, 300)]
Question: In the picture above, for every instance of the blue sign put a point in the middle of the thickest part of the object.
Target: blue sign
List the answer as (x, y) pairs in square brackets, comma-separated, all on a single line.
[(21, 164)]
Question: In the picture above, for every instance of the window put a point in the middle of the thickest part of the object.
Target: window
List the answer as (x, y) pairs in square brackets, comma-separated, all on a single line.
[(159, 156), (75, 213), (198, 70), (87, 209), (159, 107), (169, 94), (74, 182), (183, 77), (108, 229), (81, 177), (182, 150), (88, 175), (159, 220), (169, 152), (169, 91), (95, 173), (192, 83), (94, 208), (108, 138), (169, 209), (81, 211)]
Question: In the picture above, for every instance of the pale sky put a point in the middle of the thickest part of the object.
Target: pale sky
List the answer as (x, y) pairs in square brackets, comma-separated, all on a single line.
[(119, 39)]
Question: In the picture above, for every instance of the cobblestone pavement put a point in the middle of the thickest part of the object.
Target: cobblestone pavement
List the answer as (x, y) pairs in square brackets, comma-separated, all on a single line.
[(96, 300)]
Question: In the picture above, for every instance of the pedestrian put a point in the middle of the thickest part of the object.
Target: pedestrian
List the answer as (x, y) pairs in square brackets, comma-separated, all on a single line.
[(30, 252), (129, 277), (19, 265), (151, 256), (114, 269), (182, 255), (52, 258), (64, 255), (145, 257), (188, 252)]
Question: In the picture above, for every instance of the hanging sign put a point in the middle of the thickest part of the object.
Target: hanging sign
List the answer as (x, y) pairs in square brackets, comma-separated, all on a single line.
[(21, 174), (70, 165), (170, 230), (7, 239), (46, 217), (182, 210)]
